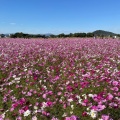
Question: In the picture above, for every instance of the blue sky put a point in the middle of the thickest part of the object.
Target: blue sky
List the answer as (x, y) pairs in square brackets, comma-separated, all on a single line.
[(59, 16)]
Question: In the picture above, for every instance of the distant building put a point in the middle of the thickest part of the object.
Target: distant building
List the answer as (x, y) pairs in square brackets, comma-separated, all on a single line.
[(4, 35), (114, 37)]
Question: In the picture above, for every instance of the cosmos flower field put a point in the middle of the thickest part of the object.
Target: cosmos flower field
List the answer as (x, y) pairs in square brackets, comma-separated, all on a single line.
[(59, 79)]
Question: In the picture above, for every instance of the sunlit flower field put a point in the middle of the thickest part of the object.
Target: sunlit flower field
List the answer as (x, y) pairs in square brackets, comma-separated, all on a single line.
[(59, 79)]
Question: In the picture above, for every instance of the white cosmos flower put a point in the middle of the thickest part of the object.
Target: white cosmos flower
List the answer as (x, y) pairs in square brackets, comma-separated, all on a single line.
[(90, 95), (35, 111), (67, 82), (80, 101), (85, 96), (25, 69), (88, 109), (78, 96), (71, 112), (44, 105), (72, 106), (64, 115), (17, 78), (93, 114), (35, 107), (45, 87), (14, 76), (26, 113)]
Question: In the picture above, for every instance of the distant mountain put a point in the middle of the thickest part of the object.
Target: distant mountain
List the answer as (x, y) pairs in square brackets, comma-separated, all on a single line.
[(47, 34), (103, 33)]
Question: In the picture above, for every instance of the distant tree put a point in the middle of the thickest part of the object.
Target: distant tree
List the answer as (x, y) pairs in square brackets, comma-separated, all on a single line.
[(23, 35), (53, 36), (79, 34), (76, 35), (2, 35), (71, 35), (62, 35), (82, 34), (90, 35), (118, 35)]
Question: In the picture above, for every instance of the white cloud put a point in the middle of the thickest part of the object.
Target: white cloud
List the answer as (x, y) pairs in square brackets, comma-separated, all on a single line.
[(12, 23)]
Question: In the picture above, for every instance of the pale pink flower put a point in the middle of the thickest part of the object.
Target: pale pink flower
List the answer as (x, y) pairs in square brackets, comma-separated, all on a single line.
[(115, 83), (105, 117), (19, 118), (109, 96), (21, 111), (54, 118), (100, 107), (44, 96), (67, 118), (29, 93), (73, 117), (115, 89), (30, 72), (34, 118)]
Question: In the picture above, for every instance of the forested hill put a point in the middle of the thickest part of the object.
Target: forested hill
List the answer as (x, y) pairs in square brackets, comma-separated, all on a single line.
[(103, 33)]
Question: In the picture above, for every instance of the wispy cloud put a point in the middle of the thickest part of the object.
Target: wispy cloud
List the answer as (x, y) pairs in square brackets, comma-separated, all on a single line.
[(12, 23)]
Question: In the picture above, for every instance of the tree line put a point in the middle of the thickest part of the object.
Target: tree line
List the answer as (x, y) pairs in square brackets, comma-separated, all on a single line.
[(24, 35), (62, 35), (98, 33)]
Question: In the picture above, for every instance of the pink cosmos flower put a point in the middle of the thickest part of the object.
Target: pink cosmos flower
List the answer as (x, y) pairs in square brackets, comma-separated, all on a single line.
[(29, 93), (34, 91), (67, 118), (54, 118), (109, 96), (19, 118), (22, 101), (49, 103), (11, 109), (114, 83), (73, 117), (84, 114), (50, 92), (69, 88), (21, 111), (25, 108), (115, 89), (30, 72), (35, 77), (59, 93), (34, 118), (44, 96), (14, 105), (112, 104), (118, 93), (105, 117), (45, 113), (100, 107), (56, 78)]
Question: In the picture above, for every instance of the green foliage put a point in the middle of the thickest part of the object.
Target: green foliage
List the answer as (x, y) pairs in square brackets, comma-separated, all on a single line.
[(23, 35)]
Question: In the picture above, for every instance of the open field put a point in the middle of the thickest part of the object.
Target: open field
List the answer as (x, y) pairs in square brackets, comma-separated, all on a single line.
[(59, 79)]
